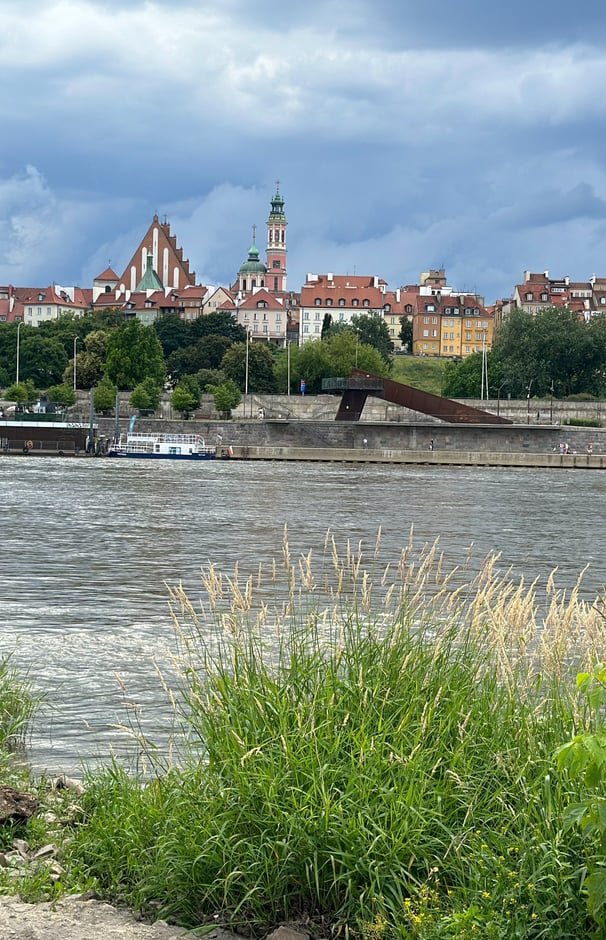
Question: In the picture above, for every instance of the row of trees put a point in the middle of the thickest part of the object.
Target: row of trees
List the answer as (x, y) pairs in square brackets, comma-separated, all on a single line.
[(210, 354), (548, 353)]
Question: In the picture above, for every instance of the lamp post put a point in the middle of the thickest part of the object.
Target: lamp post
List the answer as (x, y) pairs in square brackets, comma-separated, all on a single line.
[(502, 385), (75, 353), (19, 325), (484, 383), (528, 402), (551, 403), (288, 368), (246, 376)]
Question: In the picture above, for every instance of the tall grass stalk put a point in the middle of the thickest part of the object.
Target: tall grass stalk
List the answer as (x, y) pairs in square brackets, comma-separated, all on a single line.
[(17, 705), (369, 750)]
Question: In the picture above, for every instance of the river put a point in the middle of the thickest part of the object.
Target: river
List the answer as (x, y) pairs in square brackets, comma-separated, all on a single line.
[(88, 547)]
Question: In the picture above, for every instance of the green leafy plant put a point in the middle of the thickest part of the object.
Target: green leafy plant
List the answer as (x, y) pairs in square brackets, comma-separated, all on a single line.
[(584, 759)]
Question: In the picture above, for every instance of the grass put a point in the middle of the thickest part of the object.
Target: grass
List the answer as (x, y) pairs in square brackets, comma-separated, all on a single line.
[(370, 752), (17, 705), (420, 372)]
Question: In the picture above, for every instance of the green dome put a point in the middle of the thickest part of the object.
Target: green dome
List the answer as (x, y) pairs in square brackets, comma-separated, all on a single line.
[(253, 265)]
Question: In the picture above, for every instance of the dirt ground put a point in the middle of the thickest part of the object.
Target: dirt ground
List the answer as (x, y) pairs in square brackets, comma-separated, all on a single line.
[(77, 919)]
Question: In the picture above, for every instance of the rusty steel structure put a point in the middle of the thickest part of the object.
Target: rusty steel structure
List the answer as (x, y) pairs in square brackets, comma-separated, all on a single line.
[(360, 385)]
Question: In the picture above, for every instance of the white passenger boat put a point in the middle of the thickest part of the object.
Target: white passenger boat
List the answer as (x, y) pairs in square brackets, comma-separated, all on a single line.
[(157, 446)]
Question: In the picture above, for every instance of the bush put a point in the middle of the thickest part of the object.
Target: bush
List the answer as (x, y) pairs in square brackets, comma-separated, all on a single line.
[(374, 755), (583, 423)]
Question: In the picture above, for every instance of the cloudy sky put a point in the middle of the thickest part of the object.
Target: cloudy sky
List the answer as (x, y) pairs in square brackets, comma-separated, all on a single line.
[(406, 134)]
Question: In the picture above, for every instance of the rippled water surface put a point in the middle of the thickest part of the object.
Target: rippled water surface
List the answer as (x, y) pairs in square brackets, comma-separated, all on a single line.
[(88, 547)]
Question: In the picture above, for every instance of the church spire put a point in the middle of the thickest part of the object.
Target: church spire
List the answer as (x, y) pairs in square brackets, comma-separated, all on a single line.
[(276, 244)]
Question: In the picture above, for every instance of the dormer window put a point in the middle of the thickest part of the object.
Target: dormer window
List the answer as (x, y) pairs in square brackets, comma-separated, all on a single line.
[(366, 302), (529, 296), (318, 302), (355, 302), (408, 308), (387, 308), (544, 297), (329, 301), (262, 303), (341, 301)]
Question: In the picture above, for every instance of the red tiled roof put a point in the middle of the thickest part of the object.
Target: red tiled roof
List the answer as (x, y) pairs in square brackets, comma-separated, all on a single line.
[(108, 275)]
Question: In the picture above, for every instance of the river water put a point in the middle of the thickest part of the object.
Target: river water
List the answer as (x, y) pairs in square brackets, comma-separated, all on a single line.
[(89, 547)]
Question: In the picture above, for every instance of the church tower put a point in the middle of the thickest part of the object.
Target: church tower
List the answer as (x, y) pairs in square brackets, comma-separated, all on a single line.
[(276, 245)]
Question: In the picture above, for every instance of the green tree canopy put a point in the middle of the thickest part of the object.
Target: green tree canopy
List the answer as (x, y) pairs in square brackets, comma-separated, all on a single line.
[(406, 333), (104, 395), (146, 395), (372, 330), (333, 357), (227, 396), (219, 324), (173, 333), (134, 353), (186, 396), (41, 359), (260, 367)]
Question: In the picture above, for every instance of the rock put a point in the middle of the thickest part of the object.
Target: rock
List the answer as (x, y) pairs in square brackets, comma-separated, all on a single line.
[(14, 804), (287, 933)]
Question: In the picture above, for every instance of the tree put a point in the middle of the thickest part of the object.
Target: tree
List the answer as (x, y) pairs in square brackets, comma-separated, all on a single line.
[(62, 395), (406, 333), (186, 396), (550, 347), (464, 379), (90, 361), (227, 396), (134, 353), (260, 367), (146, 395), (173, 333), (372, 330), (104, 396), (335, 357), (219, 324), (24, 393), (41, 359)]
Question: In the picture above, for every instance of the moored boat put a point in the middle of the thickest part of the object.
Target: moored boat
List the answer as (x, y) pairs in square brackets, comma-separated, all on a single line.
[(162, 446)]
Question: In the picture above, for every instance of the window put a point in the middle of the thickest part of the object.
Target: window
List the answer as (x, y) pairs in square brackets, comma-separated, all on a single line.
[(468, 324), (425, 319), (318, 302), (434, 319), (329, 301), (341, 318), (408, 308), (434, 332), (543, 296), (387, 308), (265, 328), (430, 307), (276, 264), (355, 302), (341, 301), (529, 296), (306, 329), (316, 329), (317, 316), (265, 316), (262, 303), (255, 316), (603, 300), (392, 319), (425, 332), (366, 302), (278, 318), (447, 310), (306, 315)]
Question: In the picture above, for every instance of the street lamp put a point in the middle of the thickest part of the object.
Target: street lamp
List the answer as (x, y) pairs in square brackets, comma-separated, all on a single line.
[(75, 345), (551, 404), (246, 375), (288, 367), (19, 325), (528, 402), (484, 384)]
